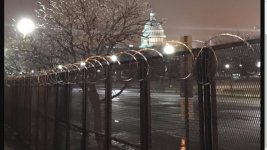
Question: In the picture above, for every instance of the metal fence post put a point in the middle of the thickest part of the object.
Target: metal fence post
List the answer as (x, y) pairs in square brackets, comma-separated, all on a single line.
[(145, 108), (84, 111), (186, 85), (46, 116), (26, 103), (214, 116), (68, 111), (30, 111), (13, 104), (56, 117), (23, 95), (108, 105), (37, 116), (207, 105), (16, 117), (201, 117)]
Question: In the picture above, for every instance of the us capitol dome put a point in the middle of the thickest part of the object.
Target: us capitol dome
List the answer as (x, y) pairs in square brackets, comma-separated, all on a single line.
[(153, 33)]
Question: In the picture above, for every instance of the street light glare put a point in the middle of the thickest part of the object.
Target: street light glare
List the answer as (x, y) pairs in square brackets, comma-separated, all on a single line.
[(60, 67), (227, 66), (168, 49), (82, 64), (25, 26), (258, 64), (113, 58)]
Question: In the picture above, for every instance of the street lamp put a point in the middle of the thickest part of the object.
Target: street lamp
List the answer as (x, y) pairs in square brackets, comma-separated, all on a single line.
[(82, 64), (114, 58), (60, 67), (168, 49), (258, 64), (25, 26), (227, 66)]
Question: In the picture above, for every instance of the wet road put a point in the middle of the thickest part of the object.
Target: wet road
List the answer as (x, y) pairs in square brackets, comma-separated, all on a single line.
[(238, 121)]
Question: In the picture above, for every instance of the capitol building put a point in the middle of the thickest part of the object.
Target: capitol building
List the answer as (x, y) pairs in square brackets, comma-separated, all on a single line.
[(153, 34)]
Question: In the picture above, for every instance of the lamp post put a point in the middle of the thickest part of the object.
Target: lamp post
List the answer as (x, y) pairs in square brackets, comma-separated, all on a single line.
[(169, 49)]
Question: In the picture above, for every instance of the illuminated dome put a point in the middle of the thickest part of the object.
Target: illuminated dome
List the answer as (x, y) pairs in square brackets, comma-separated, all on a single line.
[(153, 33)]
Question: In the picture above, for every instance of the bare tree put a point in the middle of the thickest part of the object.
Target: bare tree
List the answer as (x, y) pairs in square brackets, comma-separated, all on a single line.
[(72, 30), (84, 28)]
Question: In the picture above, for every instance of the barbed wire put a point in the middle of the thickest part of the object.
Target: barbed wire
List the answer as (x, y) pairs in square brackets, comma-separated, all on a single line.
[(71, 73)]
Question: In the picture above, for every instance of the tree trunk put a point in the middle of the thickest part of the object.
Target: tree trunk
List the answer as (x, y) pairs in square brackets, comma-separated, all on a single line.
[(96, 105)]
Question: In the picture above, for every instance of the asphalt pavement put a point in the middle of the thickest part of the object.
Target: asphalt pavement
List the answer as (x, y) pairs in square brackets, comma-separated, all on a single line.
[(238, 120)]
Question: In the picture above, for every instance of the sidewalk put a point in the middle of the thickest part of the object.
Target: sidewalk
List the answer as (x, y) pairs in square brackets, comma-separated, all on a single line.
[(11, 141)]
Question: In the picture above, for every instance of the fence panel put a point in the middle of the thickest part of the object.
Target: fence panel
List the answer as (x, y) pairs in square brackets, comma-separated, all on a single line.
[(41, 117), (169, 102), (27, 121), (61, 118), (51, 113), (76, 109), (34, 116), (96, 109), (238, 97), (125, 108)]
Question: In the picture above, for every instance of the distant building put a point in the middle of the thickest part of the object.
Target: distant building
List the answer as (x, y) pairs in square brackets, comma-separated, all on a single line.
[(153, 33)]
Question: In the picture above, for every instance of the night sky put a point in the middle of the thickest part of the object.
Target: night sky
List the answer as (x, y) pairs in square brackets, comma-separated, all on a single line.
[(199, 18)]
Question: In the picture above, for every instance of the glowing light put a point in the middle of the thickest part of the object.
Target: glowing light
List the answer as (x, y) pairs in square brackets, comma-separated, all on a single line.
[(168, 49), (116, 121), (32, 71), (20, 72), (60, 67), (25, 26), (130, 45), (258, 64), (114, 58), (116, 99), (240, 65), (227, 66), (82, 64), (98, 70)]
